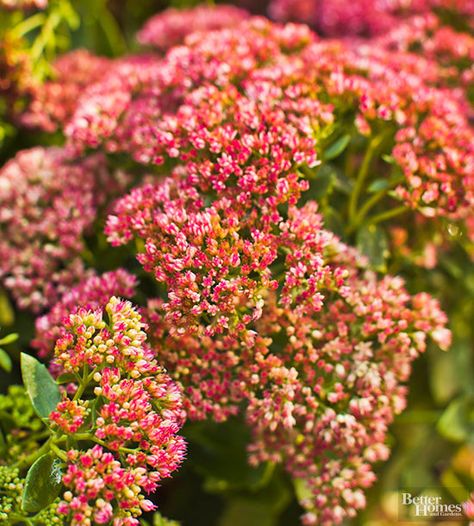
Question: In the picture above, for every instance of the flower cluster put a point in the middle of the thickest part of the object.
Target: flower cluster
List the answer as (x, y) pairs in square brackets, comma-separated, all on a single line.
[(449, 50), (54, 101), (123, 112), (170, 27), (23, 4), (91, 294), (11, 487), (46, 206), (209, 108), (319, 370), (359, 17), (264, 308), (123, 402), (263, 311), (433, 139)]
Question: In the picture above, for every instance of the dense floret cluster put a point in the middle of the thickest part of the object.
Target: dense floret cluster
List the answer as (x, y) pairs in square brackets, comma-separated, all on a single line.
[(126, 404), (360, 17), (48, 205), (54, 102), (320, 365), (91, 294), (170, 28)]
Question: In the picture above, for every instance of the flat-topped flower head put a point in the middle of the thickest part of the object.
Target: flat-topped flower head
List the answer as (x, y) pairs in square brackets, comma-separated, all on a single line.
[(99, 490), (319, 373), (55, 101), (46, 205), (170, 27), (90, 294), (90, 341)]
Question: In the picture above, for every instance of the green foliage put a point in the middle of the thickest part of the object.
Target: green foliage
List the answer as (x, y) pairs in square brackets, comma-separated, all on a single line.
[(40, 385), (337, 147), (42, 484), (159, 520)]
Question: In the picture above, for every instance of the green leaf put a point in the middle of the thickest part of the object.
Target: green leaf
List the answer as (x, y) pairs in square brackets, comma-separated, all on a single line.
[(5, 361), (42, 484), (388, 159), (10, 338), (457, 422), (337, 147), (378, 185), (372, 242), (7, 315), (40, 385), (302, 490)]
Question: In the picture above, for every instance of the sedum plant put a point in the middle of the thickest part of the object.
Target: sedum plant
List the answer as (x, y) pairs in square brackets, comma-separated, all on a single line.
[(265, 197)]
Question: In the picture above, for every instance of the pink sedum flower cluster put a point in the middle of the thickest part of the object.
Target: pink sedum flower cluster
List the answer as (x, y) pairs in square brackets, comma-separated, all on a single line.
[(55, 101), (46, 206), (170, 27), (125, 403), (319, 369), (266, 311), (91, 294), (360, 17), (282, 96)]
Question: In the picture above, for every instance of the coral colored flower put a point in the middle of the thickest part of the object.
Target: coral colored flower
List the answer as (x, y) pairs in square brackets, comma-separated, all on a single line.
[(320, 372), (55, 101), (90, 294), (170, 27), (136, 415)]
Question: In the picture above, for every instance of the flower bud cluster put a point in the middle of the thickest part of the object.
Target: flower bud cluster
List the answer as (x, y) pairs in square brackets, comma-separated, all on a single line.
[(170, 27), (47, 205), (126, 404)]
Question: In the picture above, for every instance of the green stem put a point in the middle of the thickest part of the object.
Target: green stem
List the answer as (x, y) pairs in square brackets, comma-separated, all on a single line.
[(28, 25), (363, 173), (368, 205), (388, 215), (58, 452), (86, 378), (16, 518)]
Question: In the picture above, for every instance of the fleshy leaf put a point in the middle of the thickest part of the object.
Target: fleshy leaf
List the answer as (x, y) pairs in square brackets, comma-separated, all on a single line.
[(42, 484), (9, 338), (337, 147), (40, 385)]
